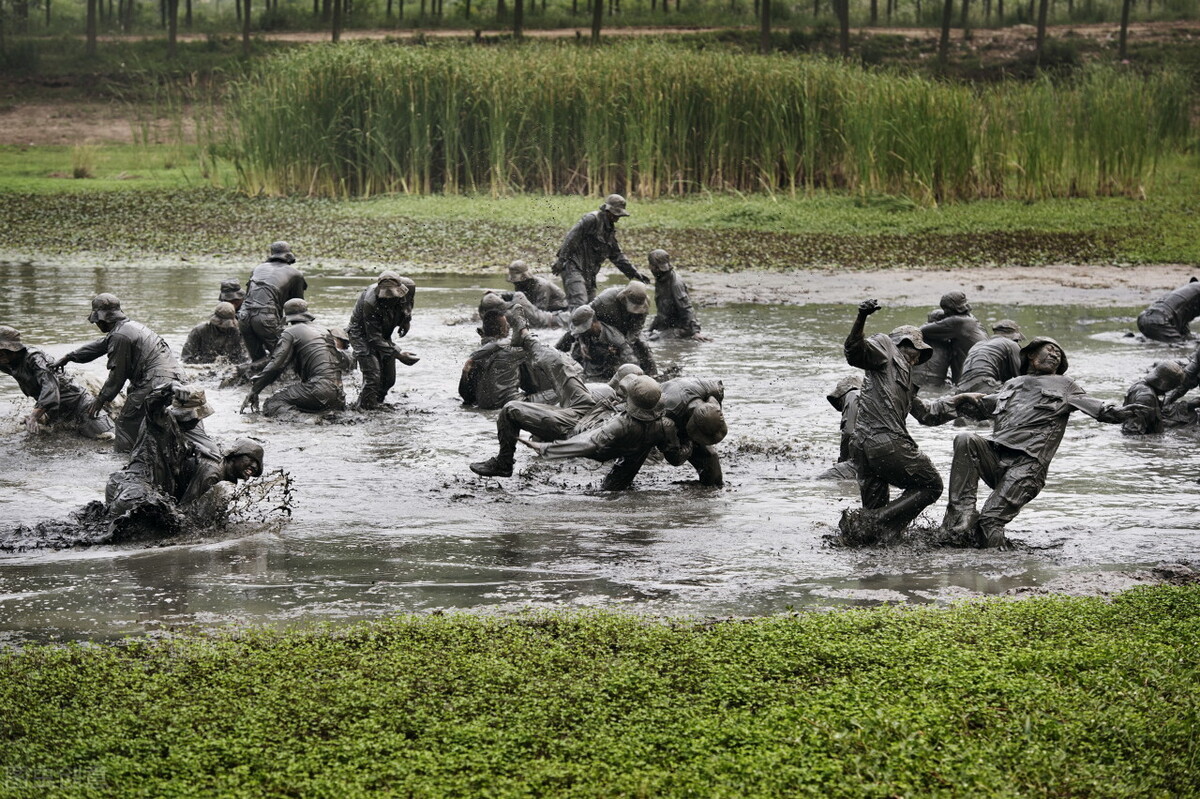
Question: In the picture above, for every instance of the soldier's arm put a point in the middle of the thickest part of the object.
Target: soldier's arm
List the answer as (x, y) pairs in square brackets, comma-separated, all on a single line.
[(683, 304), (48, 398), (87, 353), (1191, 379), (585, 445), (675, 451), (1101, 411), (857, 349), (191, 347), (275, 366), (467, 381), (119, 358)]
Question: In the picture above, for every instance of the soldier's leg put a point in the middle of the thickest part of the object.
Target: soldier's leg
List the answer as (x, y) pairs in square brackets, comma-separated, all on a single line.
[(641, 351), (129, 420), (1158, 326), (564, 372), (1022, 480), (269, 328), (575, 287), (368, 396), (307, 397), (623, 471), (547, 422), (974, 458), (872, 489), (387, 375), (909, 469), (254, 345), (708, 465)]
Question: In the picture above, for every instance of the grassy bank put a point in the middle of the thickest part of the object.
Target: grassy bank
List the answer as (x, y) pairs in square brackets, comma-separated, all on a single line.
[(1044, 697), (138, 207)]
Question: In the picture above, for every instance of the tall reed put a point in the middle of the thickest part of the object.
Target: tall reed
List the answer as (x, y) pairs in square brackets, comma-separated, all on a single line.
[(653, 119)]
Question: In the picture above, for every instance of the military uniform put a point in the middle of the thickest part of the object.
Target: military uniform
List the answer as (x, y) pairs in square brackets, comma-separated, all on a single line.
[(587, 245), (673, 306), (311, 351), (612, 309), (1167, 319), (213, 340), (990, 364), (599, 353), (271, 285), (372, 323), (492, 374), (959, 333), (60, 397)]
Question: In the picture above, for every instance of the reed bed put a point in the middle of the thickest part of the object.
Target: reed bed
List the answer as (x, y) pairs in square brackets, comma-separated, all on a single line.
[(652, 120)]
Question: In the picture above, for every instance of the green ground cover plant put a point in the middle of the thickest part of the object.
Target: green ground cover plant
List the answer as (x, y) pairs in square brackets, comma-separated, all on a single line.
[(1050, 696)]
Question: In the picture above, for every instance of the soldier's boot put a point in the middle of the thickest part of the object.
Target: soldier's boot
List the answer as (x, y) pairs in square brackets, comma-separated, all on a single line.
[(893, 519), (958, 527), (493, 467)]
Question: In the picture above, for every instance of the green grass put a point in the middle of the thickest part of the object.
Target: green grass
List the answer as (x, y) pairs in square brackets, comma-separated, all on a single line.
[(1042, 697)]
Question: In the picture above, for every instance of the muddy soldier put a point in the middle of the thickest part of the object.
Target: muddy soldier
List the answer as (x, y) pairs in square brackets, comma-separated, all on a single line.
[(136, 355), (59, 400), (957, 329), (492, 374), (587, 245), (1146, 396), (541, 293), (380, 310), (844, 399), (232, 293), (599, 348), (217, 338), (167, 469), (992, 363), (1029, 416), (674, 315), (1167, 319), (271, 284), (312, 352), (883, 451), (624, 309)]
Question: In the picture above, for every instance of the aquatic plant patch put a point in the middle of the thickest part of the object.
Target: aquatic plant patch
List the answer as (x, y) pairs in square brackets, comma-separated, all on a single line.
[(1045, 696)]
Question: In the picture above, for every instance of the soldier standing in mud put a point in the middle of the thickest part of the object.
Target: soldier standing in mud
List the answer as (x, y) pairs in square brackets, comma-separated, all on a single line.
[(380, 309), (541, 293), (271, 284), (586, 246), (312, 352), (217, 338), (1168, 317), (884, 453), (58, 398), (625, 309), (1029, 415), (992, 363), (599, 348), (673, 307), (136, 354), (957, 329)]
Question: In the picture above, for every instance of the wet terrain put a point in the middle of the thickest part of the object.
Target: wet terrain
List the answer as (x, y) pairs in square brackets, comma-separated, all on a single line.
[(389, 519)]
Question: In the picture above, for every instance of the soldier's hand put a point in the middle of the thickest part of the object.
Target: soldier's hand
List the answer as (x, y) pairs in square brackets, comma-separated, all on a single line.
[(94, 408), (1127, 412), (868, 307), (970, 398), (60, 364), (402, 329), (33, 421), (1173, 396), (642, 276), (250, 402)]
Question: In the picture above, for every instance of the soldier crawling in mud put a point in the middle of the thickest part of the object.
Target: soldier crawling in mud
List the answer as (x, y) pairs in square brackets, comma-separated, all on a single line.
[(624, 309), (271, 284), (957, 328), (844, 399), (1029, 415), (170, 469), (1191, 379), (884, 453), (215, 339), (992, 363), (586, 246), (136, 354), (380, 310), (674, 315), (541, 293), (312, 352), (599, 348), (1150, 416), (59, 400), (694, 405), (492, 374), (1168, 317)]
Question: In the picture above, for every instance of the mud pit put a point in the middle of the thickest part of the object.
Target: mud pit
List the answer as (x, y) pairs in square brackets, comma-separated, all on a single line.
[(388, 518)]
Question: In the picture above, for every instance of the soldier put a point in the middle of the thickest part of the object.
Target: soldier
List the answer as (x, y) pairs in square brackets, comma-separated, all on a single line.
[(884, 453), (232, 293), (380, 310), (58, 398), (271, 284), (957, 328), (592, 240), (544, 295), (136, 354), (492, 374), (599, 348), (625, 309), (312, 352), (217, 338), (992, 363), (694, 405), (933, 372), (1029, 415), (1168, 317), (844, 399), (627, 437), (1146, 396), (167, 469), (1191, 379), (674, 308)]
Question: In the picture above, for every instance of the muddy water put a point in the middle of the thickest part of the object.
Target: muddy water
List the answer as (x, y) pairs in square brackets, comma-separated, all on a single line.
[(389, 518)]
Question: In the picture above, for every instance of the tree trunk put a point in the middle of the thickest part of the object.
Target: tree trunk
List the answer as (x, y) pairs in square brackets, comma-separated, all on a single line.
[(172, 28), (944, 41), (1122, 52), (518, 18), (91, 28), (874, 12), (187, 14), (337, 20), (1043, 7), (965, 22), (47, 13), (162, 14), (501, 11), (597, 16), (843, 9), (245, 28), (764, 29)]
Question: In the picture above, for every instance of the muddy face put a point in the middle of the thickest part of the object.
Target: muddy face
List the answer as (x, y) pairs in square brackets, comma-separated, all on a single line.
[(388, 517)]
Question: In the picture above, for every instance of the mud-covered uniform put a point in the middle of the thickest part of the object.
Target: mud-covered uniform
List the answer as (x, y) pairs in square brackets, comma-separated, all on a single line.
[(1167, 318), (139, 356), (372, 323), (673, 307), (599, 353), (611, 310), (208, 342), (544, 295), (960, 332), (884, 453), (990, 364), (628, 441), (677, 398), (847, 406), (311, 351), (587, 245), (492, 374), (1029, 415), (271, 284), (62, 399)]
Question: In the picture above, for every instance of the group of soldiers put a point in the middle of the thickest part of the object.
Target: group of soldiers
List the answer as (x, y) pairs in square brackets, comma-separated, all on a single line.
[(597, 393), (1023, 391)]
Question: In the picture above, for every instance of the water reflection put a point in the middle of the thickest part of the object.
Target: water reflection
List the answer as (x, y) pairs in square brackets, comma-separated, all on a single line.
[(389, 518)]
